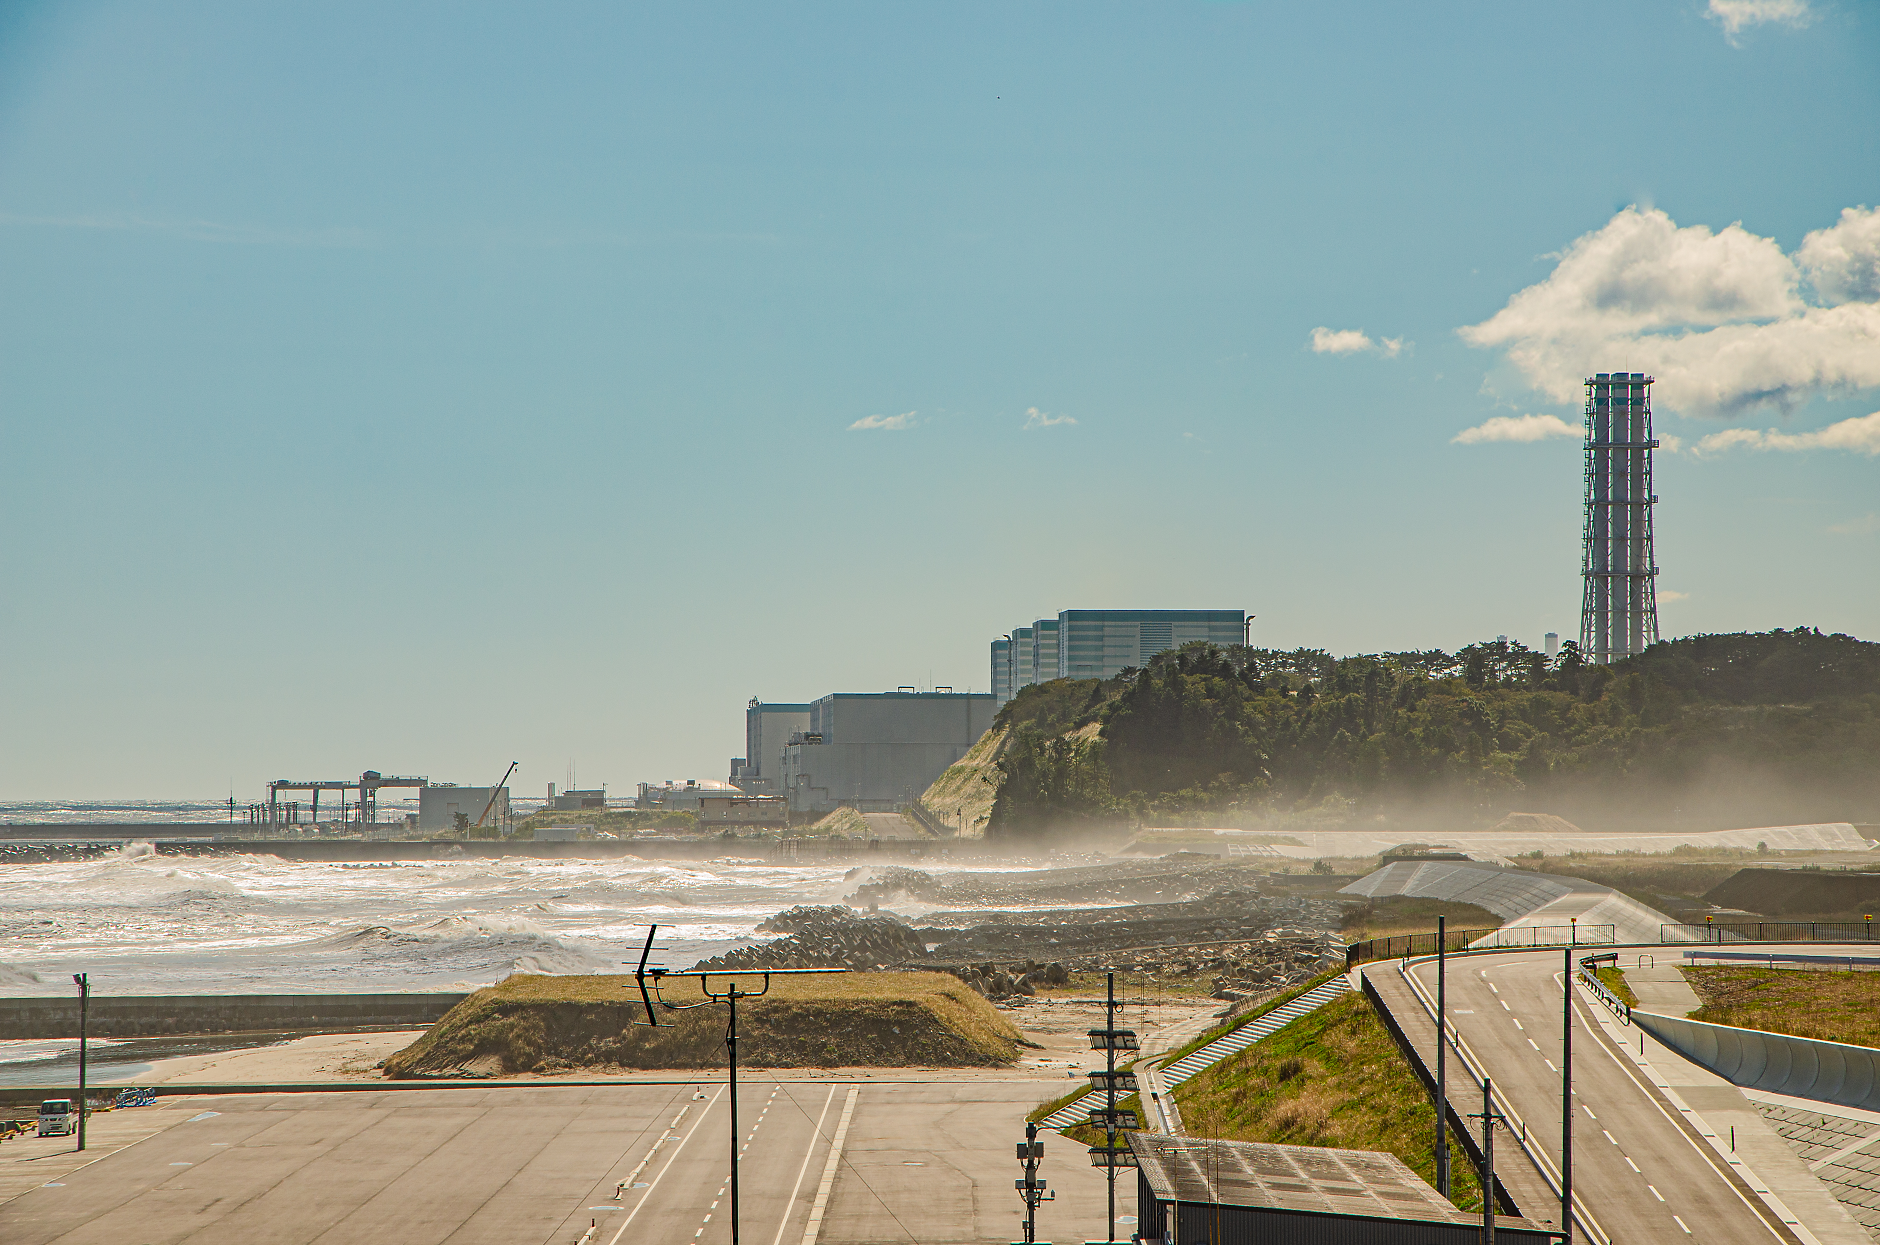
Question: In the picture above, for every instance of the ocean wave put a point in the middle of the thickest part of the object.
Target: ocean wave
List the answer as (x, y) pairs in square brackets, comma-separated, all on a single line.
[(461, 944), (11, 976)]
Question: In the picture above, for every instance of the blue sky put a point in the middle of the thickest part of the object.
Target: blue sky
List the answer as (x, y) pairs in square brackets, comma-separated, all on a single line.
[(426, 387)]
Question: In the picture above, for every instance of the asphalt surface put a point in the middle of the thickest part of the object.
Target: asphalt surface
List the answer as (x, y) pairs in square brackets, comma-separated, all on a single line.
[(927, 1162), (1640, 1170)]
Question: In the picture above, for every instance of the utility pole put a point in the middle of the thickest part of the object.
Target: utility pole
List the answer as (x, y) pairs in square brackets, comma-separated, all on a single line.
[(1489, 1120), (1566, 1102), (83, 981), (1442, 1084)]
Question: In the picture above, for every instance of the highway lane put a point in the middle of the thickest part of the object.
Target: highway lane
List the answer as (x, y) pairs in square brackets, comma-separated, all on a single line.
[(1639, 1168)]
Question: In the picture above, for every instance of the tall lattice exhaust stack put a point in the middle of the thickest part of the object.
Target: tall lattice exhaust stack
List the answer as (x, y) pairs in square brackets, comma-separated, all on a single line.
[(1619, 606)]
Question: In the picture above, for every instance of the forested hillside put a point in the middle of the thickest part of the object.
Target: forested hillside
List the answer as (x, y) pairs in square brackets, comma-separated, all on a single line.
[(1739, 729)]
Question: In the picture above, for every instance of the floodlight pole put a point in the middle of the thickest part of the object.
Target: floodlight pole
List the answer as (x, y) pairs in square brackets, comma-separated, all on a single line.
[(1488, 1162), (1109, 1099), (1442, 1086)]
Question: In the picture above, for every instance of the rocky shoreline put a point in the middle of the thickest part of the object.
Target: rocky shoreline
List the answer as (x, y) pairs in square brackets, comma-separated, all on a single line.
[(1181, 919)]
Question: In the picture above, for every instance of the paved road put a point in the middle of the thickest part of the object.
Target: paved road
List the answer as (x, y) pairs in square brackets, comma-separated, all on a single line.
[(927, 1162), (1640, 1169)]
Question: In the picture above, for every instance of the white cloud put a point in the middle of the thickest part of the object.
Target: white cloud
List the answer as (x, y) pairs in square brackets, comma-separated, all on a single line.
[(1843, 261), (891, 423), (1035, 418), (1737, 15), (1715, 317), (1353, 341), (1866, 525), (1666, 595), (1860, 434), (1517, 428)]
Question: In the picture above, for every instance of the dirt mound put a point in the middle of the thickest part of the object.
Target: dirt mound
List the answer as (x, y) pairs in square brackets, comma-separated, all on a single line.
[(1534, 823), (1793, 892), (533, 1023)]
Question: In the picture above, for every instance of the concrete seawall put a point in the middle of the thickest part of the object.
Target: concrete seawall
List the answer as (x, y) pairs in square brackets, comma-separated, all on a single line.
[(159, 1014), (1777, 1062)]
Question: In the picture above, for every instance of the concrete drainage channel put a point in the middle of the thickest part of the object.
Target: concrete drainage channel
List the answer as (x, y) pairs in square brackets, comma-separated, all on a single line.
[(1203, 1058)]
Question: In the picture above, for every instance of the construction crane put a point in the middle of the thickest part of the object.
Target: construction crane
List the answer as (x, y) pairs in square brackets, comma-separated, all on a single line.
[(493, 793)]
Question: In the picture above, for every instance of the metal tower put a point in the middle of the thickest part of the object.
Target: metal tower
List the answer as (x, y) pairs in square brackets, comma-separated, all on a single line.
[(1619, 607)]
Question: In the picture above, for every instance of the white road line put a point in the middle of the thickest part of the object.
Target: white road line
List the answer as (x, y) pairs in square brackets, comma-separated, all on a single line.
[(1588, 1110), (797, 1184), (1759, 1208), (648, 1195), (1630, 1163), (1550, 1066), (1609, 1137), (1680, 1223), (829, 1168), (1531, 1043), (1656, 1193)]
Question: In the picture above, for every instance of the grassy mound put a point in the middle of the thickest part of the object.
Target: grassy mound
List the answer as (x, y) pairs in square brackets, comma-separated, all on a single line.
[(963, 795), (533, 1023), (1333, 1077), (1829, 1007)]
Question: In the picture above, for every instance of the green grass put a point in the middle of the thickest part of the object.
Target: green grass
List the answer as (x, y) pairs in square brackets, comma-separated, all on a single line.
[(1614, 980), (1222, 1030), (1829, 1007), (1333, 1077)]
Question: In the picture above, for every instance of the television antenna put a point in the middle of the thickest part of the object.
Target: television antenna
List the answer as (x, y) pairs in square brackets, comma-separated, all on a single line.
[(652, 981)]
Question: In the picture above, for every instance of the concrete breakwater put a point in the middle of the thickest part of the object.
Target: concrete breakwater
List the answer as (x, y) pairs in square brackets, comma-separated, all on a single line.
[(151, 1015), (81, 842)]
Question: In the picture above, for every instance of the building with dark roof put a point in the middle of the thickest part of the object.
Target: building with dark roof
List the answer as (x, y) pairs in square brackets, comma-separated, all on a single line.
[(1193, 1191)]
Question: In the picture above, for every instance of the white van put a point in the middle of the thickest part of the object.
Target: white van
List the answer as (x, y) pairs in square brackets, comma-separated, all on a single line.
[(58, 1117)]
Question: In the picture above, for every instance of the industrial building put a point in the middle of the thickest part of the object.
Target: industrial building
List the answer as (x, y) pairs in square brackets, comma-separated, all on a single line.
[(767, 728), (1242, 1192), (1099, 644), (1619, 601), (878, 751), (439, 804), (573, 801), (676, 797)]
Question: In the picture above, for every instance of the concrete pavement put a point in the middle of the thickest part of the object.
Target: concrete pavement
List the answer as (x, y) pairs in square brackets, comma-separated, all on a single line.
[(928, 1162), (1642, 1171)]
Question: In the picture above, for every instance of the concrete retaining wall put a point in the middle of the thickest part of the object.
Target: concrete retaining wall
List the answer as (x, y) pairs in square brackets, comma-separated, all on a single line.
[(1773, 1062), (150, 1015)]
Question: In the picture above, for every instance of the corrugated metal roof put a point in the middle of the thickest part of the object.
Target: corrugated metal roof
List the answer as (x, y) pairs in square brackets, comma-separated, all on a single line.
[(1296, 1178)]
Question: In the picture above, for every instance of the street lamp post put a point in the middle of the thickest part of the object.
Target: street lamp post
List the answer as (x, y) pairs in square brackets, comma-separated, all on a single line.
[(83, 982)]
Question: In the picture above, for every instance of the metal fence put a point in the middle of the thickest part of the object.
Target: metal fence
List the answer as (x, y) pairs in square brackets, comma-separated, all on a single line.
[(1769, 931), (1399, 945)]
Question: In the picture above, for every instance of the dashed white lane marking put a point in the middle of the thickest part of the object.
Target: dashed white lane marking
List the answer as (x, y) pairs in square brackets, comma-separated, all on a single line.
[(1630, 1163), (1609, 1137), (1531, 1043), (1681, 1224), (1588, 1110), (1550, 1065), (1504, 1005), (1518, 1024), (1656, 1193)]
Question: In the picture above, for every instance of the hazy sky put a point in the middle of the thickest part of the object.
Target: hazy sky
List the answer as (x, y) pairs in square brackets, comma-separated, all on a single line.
[(425, 387)]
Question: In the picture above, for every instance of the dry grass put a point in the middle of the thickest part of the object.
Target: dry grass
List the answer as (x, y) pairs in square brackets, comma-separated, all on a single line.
[(965, 792), (1333, 1077), (1830, 1007), (533, 1023), (1401, 914)]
